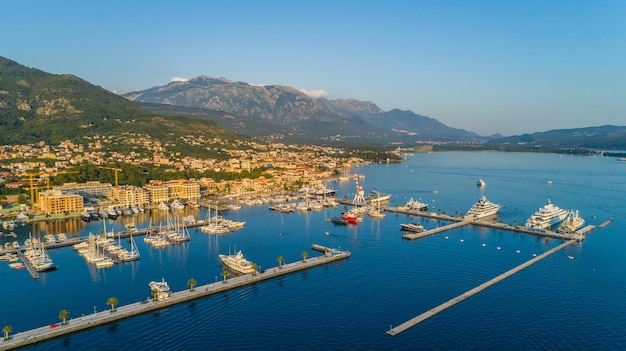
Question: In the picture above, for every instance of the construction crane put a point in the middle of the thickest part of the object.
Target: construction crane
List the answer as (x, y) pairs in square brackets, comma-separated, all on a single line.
[(33, 194), (113, 169)]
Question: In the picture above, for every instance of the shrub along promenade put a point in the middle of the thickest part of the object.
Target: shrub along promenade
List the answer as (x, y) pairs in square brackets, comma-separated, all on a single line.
[(99, 318)]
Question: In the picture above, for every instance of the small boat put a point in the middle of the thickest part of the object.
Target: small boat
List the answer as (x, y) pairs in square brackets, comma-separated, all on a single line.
[(377, 196), (340, 221), (85, 216), (413, 205), (481, 182), (177, 205), (160, 290), (16, 265), (412, 227), (106, 262)]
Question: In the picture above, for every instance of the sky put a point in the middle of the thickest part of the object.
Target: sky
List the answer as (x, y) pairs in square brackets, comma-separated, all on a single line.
[(508, 67)]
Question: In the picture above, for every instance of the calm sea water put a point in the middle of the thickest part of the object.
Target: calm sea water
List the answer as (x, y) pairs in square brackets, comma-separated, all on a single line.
[(558, 303)]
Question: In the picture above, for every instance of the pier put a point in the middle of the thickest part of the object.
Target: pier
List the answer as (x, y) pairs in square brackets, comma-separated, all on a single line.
[(422, 317), (459, 222), (413, 236), (103, 317), (29, 266)]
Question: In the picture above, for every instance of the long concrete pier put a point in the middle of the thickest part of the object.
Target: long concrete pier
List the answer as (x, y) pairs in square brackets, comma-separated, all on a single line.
[(89, 321), (578, 235), (422, 317)]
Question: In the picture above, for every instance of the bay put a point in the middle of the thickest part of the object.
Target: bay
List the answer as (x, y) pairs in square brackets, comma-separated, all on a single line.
[(558, 303)]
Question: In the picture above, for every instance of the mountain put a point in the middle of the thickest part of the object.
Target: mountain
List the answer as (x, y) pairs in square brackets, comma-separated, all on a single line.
[(419, 127), (39, 106), (603, 137), (291, 115), (286, 113), (348, 107)]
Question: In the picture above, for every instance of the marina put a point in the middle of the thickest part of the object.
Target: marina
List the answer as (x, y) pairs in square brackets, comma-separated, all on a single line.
[(396, 279)]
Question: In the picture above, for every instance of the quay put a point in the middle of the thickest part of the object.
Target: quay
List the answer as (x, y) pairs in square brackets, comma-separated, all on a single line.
[(578, 235), (29, 266), (99, 318), (422, 317)]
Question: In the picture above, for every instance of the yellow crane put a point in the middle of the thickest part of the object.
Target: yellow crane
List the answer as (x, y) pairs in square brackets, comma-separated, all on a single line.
[(113, 169), (33, 195)]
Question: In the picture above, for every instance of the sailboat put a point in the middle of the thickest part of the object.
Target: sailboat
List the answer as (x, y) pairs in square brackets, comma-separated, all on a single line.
[(133, 254)]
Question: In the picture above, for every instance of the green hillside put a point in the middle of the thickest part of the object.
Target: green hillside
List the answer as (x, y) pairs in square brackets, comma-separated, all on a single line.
[(38, 106)]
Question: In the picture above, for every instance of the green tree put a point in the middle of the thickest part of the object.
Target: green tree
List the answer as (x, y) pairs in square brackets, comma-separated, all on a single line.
[(6, 330), (225, 274), (155, 293), (304, 256), (63, 316), (280, 260), (21, 199), (112, 301), (191, 282)]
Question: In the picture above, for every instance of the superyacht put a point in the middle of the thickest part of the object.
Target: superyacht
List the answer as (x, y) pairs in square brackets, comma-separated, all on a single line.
[(482, 208), (546, 217), (238, 263)]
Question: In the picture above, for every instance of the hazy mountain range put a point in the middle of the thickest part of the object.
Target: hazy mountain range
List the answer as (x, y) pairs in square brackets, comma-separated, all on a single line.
[(292, 113), (35, 105)]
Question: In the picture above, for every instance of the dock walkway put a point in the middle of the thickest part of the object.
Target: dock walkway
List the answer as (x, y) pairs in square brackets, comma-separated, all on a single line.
[(413, 236), (29, 266), (89, 321), (422, 317)]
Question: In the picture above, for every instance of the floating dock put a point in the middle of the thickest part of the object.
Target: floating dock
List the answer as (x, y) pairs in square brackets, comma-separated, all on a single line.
[(99, 318), (422, 317), (605, 223)]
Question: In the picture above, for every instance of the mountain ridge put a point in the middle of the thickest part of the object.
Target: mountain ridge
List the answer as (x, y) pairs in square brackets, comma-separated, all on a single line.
[(297, 113)]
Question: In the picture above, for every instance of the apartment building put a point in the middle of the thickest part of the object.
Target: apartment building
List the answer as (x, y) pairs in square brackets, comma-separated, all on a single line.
[(59, 202)]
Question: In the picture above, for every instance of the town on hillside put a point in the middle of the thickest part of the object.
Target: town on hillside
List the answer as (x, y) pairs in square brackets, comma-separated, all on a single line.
[(26, 171)]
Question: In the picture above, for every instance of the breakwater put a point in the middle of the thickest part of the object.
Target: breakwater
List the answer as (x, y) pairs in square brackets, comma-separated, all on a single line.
[(126, 311)]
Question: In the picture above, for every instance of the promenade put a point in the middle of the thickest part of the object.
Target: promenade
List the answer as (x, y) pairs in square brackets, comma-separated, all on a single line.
[(54, 330)]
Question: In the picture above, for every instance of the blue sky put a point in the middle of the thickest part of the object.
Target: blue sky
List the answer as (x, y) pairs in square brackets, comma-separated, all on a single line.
[(507, 67)]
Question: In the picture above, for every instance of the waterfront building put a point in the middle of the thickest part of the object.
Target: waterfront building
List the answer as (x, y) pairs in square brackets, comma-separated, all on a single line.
[(184, 190), (87, 189), (158, 192), (129, 195), (59, 202)]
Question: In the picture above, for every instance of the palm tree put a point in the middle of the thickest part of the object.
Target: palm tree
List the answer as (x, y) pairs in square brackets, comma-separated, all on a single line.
[(112, 301), (225, 274), (254, 267), (280, 261), (63, 316), (6, 330), (191, 282), (155, 293), (304, 256)]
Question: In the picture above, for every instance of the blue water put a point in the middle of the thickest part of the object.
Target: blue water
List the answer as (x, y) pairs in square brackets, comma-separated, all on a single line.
[(558, 303)]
